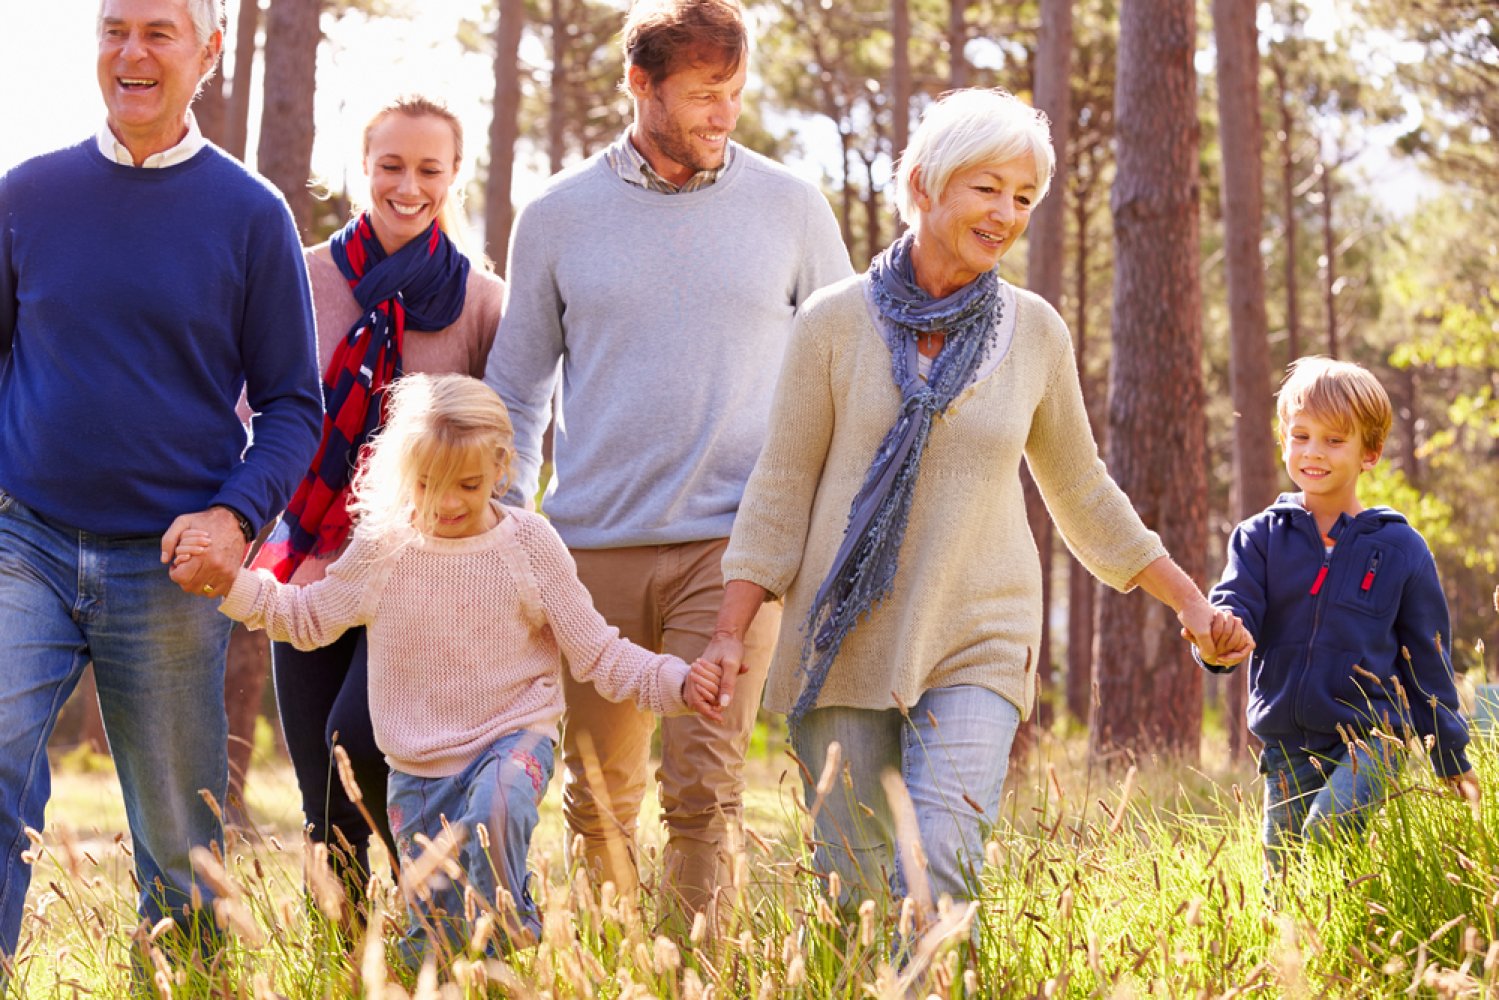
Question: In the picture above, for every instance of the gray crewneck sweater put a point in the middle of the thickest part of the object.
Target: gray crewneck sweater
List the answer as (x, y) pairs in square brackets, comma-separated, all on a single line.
[(668, 316)]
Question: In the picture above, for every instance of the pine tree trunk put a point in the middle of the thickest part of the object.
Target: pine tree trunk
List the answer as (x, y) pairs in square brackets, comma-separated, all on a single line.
[(1288, 209), (957, 43), (1236, 39), (557, 106), (246, 668), (1150, 689), (1330, 252), (284, 155), (504, 129), (211, 108), (1044, 276), (900, 76), (246, 27), (1082, 588)]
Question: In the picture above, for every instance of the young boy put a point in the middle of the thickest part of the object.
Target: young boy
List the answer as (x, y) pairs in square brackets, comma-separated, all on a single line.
[(1349, 620)]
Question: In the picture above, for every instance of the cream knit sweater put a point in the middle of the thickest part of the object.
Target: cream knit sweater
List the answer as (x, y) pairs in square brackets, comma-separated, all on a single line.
[(966, 604), (466, 637)]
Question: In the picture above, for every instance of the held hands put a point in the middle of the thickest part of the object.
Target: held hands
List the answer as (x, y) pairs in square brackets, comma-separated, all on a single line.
[(1217, 633), (700, 690), (205, 550), (709, 688), (1466, 786)]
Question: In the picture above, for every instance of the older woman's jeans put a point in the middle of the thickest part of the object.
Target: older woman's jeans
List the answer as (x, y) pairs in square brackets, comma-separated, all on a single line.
[(1315, 797), (502, 789), (68, 597), (952, 751)]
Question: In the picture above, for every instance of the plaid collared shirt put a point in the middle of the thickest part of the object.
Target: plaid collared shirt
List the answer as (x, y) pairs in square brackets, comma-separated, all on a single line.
[(625, 160)]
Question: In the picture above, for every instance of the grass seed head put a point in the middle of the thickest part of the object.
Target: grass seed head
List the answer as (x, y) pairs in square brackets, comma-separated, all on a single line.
[(665, 958), (866, 923), (346, 774)]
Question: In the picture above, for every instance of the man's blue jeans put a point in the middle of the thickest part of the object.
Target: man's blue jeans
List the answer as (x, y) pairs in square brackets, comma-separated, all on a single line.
[(952, 751), (68, 597)]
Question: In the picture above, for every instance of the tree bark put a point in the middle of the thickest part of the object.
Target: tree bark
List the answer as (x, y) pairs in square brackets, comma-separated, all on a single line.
[(1044, 276), (246, 27), (1407, 398), (1048, 229), (1150, 689), (1082, 588), (80, 721), (504, 129), (1330, 253), (557, 107), (246, 668), (1288, 209), (211, 108), (1237, 41), (284, 155), (957, 43), (900, 77)]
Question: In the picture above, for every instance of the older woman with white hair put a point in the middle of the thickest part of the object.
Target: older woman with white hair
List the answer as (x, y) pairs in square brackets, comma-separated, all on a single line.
[(886, 508)]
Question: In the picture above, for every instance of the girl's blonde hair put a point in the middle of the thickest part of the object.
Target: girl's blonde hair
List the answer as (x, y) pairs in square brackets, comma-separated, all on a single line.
[(433, 424), (450, 216)]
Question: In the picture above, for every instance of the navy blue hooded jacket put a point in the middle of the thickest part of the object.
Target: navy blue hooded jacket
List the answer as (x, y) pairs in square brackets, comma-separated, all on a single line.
[(1332, 630)]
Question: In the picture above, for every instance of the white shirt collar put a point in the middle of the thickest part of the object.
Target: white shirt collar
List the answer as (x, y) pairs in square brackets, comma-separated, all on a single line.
[(114, 149)]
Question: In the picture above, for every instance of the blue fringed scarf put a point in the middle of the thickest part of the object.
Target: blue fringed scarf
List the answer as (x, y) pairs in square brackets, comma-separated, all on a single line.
[(863, 571)]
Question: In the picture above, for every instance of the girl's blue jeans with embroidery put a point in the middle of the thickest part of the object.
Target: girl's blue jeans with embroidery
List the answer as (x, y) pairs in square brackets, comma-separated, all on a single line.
[(1318, 796), (500, 789)]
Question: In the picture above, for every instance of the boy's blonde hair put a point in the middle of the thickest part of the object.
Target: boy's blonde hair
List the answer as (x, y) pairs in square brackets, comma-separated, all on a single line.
[(1340, 393), (433, 423)]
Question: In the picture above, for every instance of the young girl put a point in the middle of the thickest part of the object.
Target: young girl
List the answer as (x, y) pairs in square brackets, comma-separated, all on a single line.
[(403, 246), (469, 607)]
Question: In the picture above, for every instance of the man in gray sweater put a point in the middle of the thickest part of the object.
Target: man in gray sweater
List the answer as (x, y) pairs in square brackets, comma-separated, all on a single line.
[(659, 279)]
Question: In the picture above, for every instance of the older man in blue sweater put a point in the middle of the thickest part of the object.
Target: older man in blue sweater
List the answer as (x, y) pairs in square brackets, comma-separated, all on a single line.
[(145, 278)]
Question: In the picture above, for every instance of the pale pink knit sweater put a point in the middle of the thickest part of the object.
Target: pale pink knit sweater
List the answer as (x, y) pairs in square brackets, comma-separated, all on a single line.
[(466, 637)]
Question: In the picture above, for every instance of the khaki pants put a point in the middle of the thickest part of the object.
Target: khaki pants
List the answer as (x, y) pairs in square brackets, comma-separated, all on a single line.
[(665, 598)]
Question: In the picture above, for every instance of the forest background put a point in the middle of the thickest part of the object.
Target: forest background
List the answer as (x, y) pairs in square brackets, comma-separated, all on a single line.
[(1238, 185)]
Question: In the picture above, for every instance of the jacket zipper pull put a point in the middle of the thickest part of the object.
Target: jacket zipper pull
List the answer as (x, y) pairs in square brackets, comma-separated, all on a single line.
[(1369, 573), (1321, 576)]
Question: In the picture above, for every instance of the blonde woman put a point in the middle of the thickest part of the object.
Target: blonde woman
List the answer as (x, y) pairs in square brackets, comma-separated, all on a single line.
[(392, 292)]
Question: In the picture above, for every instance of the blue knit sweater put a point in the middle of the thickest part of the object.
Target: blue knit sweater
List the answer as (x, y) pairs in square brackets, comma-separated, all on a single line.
[(134, 305), (1337, 633)]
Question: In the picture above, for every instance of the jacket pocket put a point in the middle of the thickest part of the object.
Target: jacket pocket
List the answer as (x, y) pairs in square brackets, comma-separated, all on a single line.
[(1372, 586), (1339, 689)]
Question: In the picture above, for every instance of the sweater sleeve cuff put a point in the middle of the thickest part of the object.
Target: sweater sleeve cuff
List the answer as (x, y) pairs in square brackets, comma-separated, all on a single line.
[(240, 600), (1451, 763), (1212, 668), (673, 678), (1150, 549), (738, 569)]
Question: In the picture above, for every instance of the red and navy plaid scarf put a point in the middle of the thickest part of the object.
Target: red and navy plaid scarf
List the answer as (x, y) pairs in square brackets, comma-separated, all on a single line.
[(420, 286)]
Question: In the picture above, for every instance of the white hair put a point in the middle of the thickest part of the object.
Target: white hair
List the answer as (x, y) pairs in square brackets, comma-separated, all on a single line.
[(207, 16), (965, 128)]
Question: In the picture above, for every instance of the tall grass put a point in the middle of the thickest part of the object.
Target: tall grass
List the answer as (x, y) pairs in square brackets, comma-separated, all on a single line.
[(1146, 881)]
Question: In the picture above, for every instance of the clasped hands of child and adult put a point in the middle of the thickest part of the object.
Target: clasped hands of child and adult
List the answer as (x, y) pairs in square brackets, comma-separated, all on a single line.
[(700, 689), (1219, 635)]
